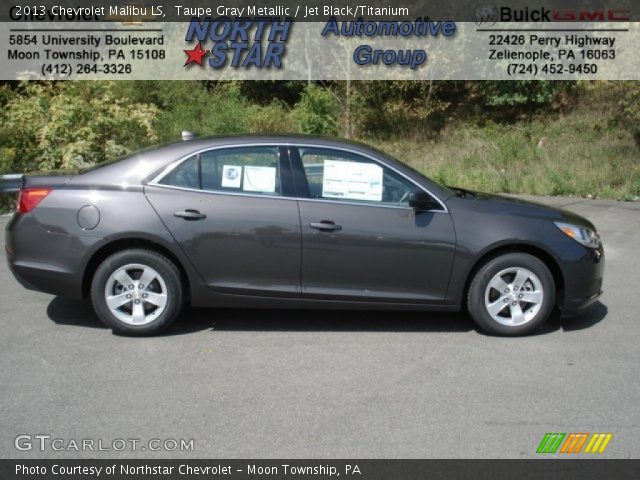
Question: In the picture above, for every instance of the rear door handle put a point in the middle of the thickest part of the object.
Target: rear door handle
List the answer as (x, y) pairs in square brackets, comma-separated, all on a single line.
[(190, 215), (325, 226)]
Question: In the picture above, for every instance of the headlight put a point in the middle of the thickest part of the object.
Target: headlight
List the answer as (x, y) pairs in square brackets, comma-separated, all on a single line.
[(585, 236)]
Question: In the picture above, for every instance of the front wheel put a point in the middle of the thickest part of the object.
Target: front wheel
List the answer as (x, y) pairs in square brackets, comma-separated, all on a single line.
[(511, 294), (137, 292)]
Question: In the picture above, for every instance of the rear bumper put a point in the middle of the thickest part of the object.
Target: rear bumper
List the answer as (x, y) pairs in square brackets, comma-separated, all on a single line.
[(47, 279), (583, 272), (52, 269)]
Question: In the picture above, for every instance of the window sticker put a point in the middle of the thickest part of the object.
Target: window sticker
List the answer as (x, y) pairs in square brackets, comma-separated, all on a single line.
[(231, 176), (259, 179), (352, 180)]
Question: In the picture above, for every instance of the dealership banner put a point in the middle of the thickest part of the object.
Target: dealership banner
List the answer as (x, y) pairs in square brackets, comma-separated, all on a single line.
[(319, 41)]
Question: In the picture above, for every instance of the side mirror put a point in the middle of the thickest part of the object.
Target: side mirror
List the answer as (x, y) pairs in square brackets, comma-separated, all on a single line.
[(422, 201)]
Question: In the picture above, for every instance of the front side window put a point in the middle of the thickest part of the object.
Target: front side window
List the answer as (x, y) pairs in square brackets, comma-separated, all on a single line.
[(339, 175), (253, 170)]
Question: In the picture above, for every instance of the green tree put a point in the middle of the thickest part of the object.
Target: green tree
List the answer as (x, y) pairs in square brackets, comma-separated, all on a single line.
[(70, 125), (217, 109), (317, 111)]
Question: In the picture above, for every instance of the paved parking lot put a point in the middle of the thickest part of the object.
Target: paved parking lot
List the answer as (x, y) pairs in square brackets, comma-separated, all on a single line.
[(278, 384)]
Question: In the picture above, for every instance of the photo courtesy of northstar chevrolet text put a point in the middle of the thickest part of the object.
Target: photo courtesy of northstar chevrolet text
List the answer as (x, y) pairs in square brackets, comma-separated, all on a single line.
[(306, 239)]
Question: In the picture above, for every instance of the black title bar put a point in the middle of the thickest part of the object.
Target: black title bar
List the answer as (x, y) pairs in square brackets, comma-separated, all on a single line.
[(548, 469), (319, 10)]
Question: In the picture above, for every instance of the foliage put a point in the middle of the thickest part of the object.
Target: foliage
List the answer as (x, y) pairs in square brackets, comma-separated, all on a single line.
[(398, 107), (217, 110), (579, 153), (272, 118), (630, 109), (264, 92), (453, 131), (70, 126), (523, 93), (316, 112)]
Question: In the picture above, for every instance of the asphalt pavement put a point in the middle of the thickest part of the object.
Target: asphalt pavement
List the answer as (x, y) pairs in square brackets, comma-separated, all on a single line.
[(291, 384)]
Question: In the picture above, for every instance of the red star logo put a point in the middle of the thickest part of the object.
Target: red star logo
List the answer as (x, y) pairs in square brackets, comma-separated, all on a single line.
[(195, 55)]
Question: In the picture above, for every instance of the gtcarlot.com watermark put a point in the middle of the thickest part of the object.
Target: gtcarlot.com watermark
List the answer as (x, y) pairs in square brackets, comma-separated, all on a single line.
[(45, 442)]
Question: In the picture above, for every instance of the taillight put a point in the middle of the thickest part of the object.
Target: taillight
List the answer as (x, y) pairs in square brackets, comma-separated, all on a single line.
[(28, 198)]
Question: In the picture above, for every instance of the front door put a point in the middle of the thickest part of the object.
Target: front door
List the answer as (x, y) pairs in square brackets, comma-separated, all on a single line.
[(234, 214), (361, 240)]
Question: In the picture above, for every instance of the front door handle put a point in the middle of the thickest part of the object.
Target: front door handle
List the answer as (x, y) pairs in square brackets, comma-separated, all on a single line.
[(325, 226), (190, 214)]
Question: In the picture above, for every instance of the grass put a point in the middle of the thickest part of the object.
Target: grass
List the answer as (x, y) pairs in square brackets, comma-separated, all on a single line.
[(581, 153)]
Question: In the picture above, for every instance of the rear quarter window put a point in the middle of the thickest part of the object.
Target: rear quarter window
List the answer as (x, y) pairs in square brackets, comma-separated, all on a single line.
[(184, 175)]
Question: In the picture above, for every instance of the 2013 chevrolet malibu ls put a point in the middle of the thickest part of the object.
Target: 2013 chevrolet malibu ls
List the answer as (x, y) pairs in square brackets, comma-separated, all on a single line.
[(299, 222)]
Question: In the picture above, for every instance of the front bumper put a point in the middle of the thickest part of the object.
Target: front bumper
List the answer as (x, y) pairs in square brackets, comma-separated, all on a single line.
[(583, 271)]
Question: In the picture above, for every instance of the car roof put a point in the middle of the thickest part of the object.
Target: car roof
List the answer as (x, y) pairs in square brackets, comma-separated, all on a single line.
[(140, 166), (234, 140)]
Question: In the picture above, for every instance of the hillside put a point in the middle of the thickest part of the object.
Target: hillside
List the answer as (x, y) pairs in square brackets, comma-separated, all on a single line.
[(581, 151)]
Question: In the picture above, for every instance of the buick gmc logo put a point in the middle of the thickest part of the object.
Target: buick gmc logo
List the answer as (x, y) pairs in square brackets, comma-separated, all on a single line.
[(489, 15)]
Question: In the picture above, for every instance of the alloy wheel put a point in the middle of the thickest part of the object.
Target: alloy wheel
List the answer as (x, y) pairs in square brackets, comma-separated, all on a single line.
[(514, 296), (136, 294)]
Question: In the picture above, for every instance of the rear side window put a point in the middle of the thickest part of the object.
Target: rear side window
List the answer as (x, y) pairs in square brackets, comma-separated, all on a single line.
[(252, 170)]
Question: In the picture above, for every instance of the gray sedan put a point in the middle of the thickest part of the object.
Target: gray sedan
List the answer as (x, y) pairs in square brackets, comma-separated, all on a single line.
[(294, 222)]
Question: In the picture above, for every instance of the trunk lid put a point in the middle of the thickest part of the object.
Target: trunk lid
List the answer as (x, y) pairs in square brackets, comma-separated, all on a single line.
[(49, 179), (14, 182)]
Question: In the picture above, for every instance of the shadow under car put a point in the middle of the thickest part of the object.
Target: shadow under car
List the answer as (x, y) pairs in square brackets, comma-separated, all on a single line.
[(77, 313)]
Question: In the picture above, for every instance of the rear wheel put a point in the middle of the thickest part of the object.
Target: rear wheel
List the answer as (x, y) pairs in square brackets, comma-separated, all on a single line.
[(511, 294), (137, 292)]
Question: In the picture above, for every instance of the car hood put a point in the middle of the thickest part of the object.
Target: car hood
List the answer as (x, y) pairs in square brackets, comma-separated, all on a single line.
[(515, 206)]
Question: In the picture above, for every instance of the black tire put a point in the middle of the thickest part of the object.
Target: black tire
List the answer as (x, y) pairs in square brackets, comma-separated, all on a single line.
[(169, 274), (480, 282)]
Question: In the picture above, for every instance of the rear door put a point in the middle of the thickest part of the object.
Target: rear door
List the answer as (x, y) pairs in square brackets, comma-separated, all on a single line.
[(360, 239), (234, 213)]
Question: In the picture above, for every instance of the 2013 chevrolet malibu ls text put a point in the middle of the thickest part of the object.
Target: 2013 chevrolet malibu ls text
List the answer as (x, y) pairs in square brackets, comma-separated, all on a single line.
[(294, 222)]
